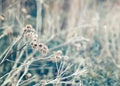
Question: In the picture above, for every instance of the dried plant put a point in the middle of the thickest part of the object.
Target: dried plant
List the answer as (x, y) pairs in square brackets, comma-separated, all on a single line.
[(59, 43)]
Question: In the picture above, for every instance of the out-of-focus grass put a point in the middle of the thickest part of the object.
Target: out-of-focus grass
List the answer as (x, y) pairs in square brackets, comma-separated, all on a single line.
[(87, 31)]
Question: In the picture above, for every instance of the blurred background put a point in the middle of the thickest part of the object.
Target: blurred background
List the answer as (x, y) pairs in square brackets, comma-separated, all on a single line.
[(92, 25)]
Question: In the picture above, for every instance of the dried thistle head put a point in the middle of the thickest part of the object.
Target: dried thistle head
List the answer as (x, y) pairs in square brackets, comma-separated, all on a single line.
[(34, 44), (41, 45), (30, 33), (28, 28), (34, 37), (43, 48)]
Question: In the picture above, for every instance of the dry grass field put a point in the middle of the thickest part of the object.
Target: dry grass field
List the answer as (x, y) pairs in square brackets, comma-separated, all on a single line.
[(59, 42)]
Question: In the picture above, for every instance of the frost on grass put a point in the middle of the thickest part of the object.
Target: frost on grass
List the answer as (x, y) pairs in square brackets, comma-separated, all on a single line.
[(59, 43)]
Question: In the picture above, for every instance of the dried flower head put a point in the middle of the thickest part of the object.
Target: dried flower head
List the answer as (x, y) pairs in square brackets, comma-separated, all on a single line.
[(34, 44), (65, 58), (28, 28), (28, 75), (24, 10), (34, 37), (59, 52), (30, 33), (57, 57), (41, 45), (43, 48)]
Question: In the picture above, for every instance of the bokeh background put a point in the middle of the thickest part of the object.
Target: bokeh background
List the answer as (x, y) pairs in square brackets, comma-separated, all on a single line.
[(93, 26)]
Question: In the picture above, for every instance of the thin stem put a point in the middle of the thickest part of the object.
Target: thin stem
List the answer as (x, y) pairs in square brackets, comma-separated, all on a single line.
[(4, 59), (26, 69)]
